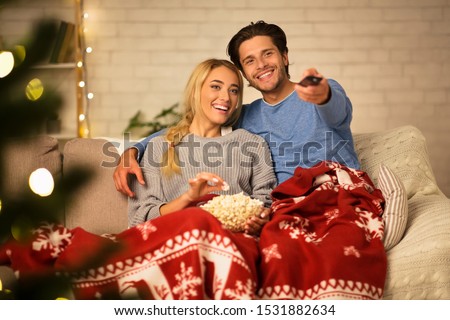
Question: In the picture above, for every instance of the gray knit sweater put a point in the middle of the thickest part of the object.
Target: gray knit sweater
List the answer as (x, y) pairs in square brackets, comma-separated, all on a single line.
[(241, 158)]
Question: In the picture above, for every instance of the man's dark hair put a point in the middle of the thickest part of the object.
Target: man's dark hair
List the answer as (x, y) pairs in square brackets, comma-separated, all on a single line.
[(259, 28)]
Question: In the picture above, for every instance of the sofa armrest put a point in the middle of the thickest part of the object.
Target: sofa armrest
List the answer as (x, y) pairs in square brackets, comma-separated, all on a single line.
[(418, 266), (21, 156), (97, 206), (7, 279)]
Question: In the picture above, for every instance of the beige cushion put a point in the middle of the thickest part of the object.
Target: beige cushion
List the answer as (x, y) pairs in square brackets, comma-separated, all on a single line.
[(403, 150), (20, 157), (97, 206), (395, 213)]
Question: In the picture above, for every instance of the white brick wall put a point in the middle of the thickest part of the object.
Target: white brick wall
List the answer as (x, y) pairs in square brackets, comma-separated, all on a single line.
[(392, 57)]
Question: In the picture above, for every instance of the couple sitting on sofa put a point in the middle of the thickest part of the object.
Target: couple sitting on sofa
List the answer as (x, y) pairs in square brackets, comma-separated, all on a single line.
[(324, 225), (325, 230)]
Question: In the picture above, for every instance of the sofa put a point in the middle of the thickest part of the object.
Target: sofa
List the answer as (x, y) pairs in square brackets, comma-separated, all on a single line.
[(418, 261)]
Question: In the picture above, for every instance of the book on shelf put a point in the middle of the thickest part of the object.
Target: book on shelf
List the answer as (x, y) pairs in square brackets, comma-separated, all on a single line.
[(64, 45)]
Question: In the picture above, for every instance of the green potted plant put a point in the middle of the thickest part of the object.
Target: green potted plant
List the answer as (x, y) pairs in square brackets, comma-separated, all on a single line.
[(164, 119)]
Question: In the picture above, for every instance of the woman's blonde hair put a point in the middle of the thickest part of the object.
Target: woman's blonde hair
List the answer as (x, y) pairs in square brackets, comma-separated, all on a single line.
[(192, 105)]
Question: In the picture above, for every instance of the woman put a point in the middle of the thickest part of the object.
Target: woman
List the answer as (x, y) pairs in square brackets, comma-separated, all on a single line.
[(202, 150), (199, 156)]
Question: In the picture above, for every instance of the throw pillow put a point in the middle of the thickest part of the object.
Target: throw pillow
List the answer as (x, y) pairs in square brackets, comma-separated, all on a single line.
[(395, 213)]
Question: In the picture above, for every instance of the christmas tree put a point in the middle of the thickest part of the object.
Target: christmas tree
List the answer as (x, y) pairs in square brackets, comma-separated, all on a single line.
[(23, 113)]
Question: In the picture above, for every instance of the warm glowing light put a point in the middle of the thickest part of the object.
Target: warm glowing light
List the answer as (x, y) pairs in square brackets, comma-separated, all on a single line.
[(6, 63), (1, 286), (34, 89), (20, 53), (21, 228), (61, 298), (83, 124), (41, 182), (83, 130), (0, 206)]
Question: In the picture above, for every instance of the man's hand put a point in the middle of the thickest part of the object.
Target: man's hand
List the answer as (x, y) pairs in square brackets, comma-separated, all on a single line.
[(127, 165), (255, 224), (317, 94)]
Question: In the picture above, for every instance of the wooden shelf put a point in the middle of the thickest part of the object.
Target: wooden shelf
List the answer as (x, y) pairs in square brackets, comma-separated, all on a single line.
[(68, 65)]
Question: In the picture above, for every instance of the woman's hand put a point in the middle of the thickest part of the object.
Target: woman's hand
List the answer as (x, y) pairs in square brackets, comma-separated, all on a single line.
[(201, 185), (205, 183), (255, 224)]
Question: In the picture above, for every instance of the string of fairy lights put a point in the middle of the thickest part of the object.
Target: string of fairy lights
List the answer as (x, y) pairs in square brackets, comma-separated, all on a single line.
[(84, 96), (35, 87), (41, 180)]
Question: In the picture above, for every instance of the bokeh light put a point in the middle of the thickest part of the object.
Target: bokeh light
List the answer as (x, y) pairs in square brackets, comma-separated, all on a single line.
[(41, 182), (19, 54), (34, 89), (21, 228), (6, 63)]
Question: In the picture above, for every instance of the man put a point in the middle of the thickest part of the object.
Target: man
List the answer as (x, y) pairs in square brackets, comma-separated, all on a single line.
[(303, 124)]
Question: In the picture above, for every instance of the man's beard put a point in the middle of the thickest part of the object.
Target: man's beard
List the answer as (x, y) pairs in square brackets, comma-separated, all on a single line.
[(273, 87)]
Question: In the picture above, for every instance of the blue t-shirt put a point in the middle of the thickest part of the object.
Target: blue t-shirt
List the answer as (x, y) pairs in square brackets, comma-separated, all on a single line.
[(299, 133)]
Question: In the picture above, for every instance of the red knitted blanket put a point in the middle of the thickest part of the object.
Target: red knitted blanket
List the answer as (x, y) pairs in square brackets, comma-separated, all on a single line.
[(323, 241), (325, 238), (184, 255)]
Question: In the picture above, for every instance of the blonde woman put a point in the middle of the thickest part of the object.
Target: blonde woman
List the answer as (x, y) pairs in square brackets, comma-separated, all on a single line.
[(201, 154), (191, 254)]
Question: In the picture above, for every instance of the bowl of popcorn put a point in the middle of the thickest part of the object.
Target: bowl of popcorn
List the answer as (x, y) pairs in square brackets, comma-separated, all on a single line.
[(233, 210)]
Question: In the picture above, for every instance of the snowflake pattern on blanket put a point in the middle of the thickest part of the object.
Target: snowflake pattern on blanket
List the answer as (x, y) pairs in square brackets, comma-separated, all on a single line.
[(323, 242), (184, 255), (325, 238)]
